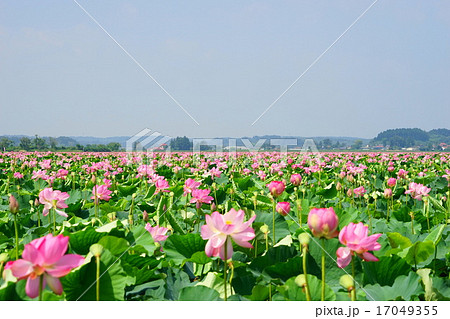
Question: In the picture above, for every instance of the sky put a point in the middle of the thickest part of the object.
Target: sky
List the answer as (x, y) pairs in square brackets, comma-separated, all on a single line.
[(224, 63)]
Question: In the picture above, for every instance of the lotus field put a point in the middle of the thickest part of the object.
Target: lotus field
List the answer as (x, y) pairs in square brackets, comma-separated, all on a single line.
[(218, 226)]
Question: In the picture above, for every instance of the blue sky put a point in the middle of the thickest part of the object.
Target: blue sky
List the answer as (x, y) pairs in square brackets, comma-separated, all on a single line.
[(225, 63)]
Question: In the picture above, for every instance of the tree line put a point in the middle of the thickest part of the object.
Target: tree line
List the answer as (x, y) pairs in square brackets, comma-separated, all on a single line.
[(51, 144)]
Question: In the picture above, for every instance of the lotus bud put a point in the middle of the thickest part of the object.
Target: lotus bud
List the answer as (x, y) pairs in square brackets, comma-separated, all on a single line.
[(323, 222), (213, 207), (283, 208), (350, 192), (96, 250), (13, 204), (145, 216), (338, 186), (388, 193), (93, 179)]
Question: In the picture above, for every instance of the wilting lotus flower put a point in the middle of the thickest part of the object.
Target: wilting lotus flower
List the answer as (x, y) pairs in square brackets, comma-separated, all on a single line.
[(189, 185), (283, 208), (355, 237), (359, 191), (102, 192), (53, 199), (296, 179), (200, 196), (220, 229), (417, 191), (276, 188), (323, 222), (391, 182), (158, 233), (44, 257)]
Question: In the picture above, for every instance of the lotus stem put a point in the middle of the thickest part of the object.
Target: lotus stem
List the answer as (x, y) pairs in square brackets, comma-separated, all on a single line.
[(17, 236), (323, 270), (305, 252), (225, 270), (353, 292)]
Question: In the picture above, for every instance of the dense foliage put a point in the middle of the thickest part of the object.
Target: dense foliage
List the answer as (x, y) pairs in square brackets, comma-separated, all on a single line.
[(144, 226)]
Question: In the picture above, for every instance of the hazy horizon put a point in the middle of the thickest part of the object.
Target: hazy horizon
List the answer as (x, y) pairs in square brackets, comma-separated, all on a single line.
[(225, 64)]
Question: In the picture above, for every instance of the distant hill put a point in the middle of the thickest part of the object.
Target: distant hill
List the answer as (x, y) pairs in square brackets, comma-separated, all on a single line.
[(412, 137)]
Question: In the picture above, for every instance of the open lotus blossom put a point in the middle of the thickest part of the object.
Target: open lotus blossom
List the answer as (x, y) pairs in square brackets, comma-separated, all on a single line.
[(200, 196), (101, 192), (220, 229), (158, 233), (283, 208), (276, 188), (355, 237), (402, 173), (189, 185), (417, 190), (161, 186), (44, 257), (323, 222), (53, 199)]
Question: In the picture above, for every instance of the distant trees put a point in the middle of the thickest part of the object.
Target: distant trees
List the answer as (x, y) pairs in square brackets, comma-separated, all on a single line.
[(5, 143), (25, 143), (357, 144), (39, 143), (180, 144)]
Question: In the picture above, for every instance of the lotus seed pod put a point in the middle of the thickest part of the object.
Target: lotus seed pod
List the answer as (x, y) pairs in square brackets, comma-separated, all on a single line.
[(304, 239), (3, 257), (264, 229), (300, 280), (96, 250), (346, 281)]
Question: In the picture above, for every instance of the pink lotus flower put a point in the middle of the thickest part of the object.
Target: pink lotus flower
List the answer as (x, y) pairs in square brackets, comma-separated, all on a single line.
[(107, 182), (323, 222), (189, 185), (359, 191), (44, 257), (417, 190), (387, 193), (18, 175), (220, 229), (283, 208), (262, 175), (391, 182), (158, 233), (296, 179), (200, 196), (276, 188), (101, 192), (161, 186), (402, 173), (355, 237), (53, 199)]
